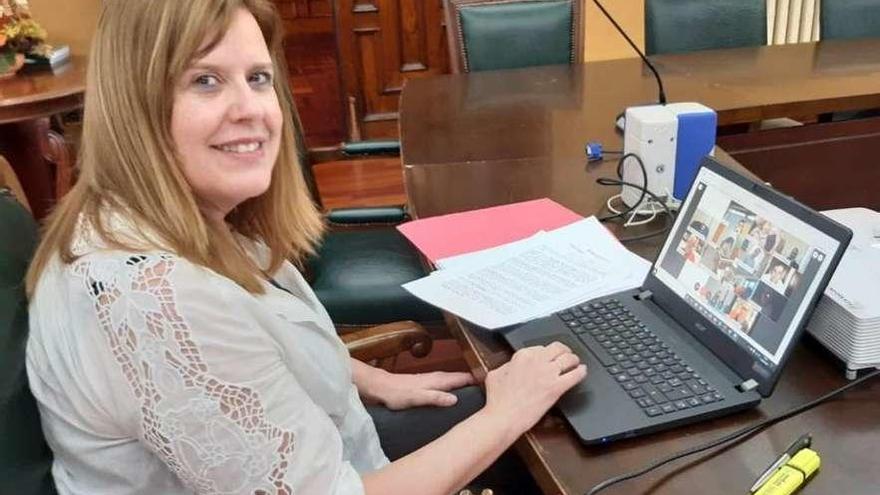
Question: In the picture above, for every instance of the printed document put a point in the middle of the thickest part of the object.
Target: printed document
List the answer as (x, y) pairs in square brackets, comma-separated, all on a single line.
[(533, 277)]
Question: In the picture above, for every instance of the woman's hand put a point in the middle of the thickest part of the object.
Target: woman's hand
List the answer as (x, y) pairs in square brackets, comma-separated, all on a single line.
[(402, 391), (523, 389)]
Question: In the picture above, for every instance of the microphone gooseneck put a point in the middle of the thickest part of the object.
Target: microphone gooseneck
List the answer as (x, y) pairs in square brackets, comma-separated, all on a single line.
[(662, 93)]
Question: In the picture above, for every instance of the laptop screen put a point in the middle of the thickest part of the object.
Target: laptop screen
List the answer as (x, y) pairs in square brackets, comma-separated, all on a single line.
[(748, 267)]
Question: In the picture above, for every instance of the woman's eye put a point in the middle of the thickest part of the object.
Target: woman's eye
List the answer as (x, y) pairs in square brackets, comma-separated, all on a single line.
[(262, 78), (207, 81)]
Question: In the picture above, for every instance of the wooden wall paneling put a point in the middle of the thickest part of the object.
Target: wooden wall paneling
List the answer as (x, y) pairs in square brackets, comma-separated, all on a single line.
[(320, 8), (312, 59), (382, 43)]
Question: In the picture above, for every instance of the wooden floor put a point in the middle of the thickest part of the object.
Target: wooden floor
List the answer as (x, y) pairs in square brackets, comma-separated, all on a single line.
[(373, 182)]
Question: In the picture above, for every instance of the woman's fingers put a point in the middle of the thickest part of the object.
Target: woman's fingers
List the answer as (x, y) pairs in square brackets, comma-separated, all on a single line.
[(557, 353), (443, 380), (419, 398), (556, 349), (573, 377), (566, 362)]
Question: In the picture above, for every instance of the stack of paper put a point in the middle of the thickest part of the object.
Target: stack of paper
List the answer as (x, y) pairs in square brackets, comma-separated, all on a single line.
[(847, 319), (533, 277)]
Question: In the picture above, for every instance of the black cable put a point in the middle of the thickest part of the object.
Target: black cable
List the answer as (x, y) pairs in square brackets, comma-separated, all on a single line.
[(670, 217), (604, 181), (642, 188), (732, 437), (661, 98)]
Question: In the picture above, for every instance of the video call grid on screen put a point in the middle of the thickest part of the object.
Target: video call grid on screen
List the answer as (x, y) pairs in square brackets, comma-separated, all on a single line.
[(743, 263)]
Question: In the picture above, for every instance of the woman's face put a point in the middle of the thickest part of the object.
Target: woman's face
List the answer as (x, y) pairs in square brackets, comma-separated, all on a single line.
[(226, 120)]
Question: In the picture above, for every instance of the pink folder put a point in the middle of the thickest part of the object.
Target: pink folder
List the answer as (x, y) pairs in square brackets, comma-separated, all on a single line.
[(459, 233)]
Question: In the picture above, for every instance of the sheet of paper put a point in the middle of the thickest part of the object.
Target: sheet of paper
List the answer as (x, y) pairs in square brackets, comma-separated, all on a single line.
[(533, 277)]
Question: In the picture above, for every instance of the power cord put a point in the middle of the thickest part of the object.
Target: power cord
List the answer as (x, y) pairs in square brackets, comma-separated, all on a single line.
[(731, 438), (648, 213), (643, 189)]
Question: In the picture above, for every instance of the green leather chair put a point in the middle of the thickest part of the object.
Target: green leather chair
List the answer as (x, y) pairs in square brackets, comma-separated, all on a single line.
[(675, 26), (847, 19), (25, 459), (508, 34), (363, 260)]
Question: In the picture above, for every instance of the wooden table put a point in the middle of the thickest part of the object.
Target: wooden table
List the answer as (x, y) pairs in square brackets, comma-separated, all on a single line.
[(26, 102), (540, 118), (483, 139)]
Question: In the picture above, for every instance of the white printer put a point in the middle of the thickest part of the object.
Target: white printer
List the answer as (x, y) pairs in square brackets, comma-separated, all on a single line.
[(847, 318)]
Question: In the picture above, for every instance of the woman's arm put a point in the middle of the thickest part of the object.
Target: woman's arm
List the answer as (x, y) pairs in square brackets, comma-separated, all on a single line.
[(448, 463), (518, 394), (208, 391)]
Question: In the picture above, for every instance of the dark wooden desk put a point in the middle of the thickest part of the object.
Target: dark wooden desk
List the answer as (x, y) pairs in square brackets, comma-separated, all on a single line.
[(540, 119), (483, 139), (26, 102)]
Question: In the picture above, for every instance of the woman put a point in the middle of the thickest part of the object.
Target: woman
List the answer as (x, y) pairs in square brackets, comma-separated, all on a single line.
[(173, 349)]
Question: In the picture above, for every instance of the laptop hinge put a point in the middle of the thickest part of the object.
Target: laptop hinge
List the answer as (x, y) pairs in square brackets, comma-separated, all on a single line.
[(643, 295), (748, 385)]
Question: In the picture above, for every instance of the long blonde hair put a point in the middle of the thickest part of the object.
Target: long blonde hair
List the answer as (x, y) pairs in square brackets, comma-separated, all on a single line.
[(128, 162)]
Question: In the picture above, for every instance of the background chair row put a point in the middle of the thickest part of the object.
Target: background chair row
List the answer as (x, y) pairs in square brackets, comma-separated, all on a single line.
[(505, 34)]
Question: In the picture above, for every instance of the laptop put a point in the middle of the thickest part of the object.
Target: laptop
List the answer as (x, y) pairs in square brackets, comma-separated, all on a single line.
[(718, 315)]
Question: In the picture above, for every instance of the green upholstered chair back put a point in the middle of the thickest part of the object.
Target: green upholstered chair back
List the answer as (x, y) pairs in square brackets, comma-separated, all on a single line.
[(362, 261), (674, 26), (846, 19), (508, 34), (25, 460)]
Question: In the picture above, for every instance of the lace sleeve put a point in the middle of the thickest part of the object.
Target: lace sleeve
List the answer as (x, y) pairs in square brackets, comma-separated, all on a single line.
[(214, 400)]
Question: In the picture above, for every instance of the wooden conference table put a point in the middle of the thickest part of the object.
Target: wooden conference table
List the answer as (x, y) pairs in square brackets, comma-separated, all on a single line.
[(491, 138)]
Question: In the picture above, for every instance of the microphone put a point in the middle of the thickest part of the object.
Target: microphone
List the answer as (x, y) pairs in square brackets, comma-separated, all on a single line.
[(661, 98), (669, 141)]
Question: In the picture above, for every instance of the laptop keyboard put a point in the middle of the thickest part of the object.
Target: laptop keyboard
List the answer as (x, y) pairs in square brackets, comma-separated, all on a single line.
[(651, 373)]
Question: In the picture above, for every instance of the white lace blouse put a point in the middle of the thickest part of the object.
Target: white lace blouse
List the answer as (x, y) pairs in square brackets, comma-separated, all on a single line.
[(157, 376)]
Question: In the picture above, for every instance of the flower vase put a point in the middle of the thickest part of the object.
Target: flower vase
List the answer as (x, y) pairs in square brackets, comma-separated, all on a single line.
[(15, 67)]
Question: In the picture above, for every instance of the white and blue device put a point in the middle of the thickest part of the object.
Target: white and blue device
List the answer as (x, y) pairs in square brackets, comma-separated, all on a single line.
[(671, 140)]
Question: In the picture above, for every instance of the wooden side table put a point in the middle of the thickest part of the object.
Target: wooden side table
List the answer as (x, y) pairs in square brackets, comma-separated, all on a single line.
[(26, 140)]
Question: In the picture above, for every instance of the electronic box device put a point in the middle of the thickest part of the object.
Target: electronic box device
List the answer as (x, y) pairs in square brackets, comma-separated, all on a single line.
[(670, 140)]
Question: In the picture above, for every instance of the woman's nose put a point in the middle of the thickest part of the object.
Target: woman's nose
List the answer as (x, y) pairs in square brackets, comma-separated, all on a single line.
[(245, 103)]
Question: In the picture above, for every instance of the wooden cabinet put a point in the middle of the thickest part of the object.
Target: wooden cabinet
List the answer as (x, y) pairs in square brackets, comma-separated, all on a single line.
[(381, 44)]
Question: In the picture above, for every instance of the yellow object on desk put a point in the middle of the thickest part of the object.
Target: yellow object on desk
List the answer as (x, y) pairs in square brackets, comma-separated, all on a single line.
[(792, 474)]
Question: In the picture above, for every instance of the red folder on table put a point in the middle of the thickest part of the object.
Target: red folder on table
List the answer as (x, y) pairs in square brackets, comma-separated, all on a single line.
[(459, 233)]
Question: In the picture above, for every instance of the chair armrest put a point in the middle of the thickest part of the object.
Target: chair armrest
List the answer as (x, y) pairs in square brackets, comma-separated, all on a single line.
[(391, 215), (382, 344), (371, 147)]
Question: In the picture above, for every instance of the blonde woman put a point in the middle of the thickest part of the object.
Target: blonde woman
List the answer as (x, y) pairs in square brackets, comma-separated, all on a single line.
[(173, 347)]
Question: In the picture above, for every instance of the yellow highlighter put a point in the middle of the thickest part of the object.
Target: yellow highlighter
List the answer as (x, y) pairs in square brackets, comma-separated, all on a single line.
[(792, 474)]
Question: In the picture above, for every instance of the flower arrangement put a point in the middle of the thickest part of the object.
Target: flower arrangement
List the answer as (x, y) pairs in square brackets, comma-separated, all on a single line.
[(20, 34)]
